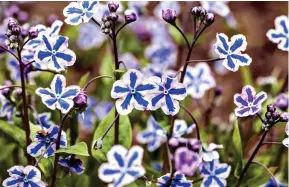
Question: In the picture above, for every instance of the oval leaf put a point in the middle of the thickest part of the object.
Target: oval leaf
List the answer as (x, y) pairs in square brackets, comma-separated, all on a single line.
[(77, 149)]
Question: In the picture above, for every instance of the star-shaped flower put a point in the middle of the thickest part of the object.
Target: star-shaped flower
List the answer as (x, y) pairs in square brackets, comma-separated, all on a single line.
[(131, 92), (186, 161), (209, 154), (78, 12), (168, 95), (248, 103), (153, 136), (286, 140), (232, 51), (73, 163), (8, 108), (198, 80), (179, 180), (123, 166), (23, 176), (54, 53), (44, 120), (214, 174), (181, 128), (58, 96), (46, 139), (280, 35)]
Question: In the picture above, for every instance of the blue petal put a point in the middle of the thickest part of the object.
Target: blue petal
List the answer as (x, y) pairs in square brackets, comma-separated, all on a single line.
[(50, 102), (14, 182), (230, 62), (223, 40), (75, 20), (63, 104), (240, 100), (110, 171), (70, 93), (222, 50), (249, 93), (35, 149), (284, 26), (133, 78), (60, 40), (218, 181), (119, 89), (238, 43), (178, 91), (139, 99), (168, 82), (85, 4), (46, 42), (55, 62), (208, 182), (133, 173), (258, 99), (73, 10), (132, 159), (31, 174), (64, 56), (240, 58), (58, 85), (241, 112), (145, 87), (169, 103), (93, 3), (43, 54), (126, 102), (156, 99)]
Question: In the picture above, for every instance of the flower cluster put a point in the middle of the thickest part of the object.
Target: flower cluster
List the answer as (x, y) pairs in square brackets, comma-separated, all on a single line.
[(13, 34)]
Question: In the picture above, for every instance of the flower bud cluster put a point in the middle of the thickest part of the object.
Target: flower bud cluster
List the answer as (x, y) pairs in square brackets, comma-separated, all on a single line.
[(272, 117), (13, 32), (201, 13)]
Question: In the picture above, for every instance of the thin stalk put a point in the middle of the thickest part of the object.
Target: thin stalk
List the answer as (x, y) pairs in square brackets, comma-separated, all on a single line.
[(9, 52), (116, 127), (25, 43), (251, 158), (14, 86), (121, 62), (25, 106), (273, 143), (194, 120), (183, 35), (126, 23), (272, 176), (45, 70), (96, 78), (29, 63), (196, 181), (208, 60), (53, 180), (96, 22)]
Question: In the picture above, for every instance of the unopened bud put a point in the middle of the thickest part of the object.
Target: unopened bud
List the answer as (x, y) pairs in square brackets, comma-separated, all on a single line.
[(210, 18), (130, 16), (98, 144), (80, 102), (195, 11), (284, 117), (169, 15), (271, 108), (33, 33), (113, 6)]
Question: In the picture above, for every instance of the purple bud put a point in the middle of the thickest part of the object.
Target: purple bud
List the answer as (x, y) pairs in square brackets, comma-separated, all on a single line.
[(268, 115), (275, 115), (16, 29), (33, 33), (80, 101), (203, 13), (130, 16), (271, 108), (17, 94), (210, 18), (284, 117), (281, 101), (12, 23), (169, 15), (113, 16), (113, 6), (6, 92), (195, 11)]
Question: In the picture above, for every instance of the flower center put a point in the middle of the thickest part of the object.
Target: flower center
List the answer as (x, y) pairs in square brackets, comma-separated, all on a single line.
[(25, 179), (47, 140), (132, 91), (166, 92), (250, 104), (53, 52)]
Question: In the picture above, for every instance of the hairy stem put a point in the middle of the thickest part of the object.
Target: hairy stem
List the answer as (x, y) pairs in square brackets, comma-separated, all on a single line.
[(25, 106)]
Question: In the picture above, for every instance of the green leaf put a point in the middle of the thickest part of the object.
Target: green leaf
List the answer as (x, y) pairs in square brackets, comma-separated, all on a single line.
[(238, 149), (8, 150), (261, 178), (83, 80), (77, 149), (125, 135), (14, 131), (107, 67), (46, 166), (246, 75)]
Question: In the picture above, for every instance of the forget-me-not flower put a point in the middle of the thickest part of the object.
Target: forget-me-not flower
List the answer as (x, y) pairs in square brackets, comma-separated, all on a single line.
[(198, 80), (131, 92), (54, 53), (181, 128), (280, 35), (58, 96), (28, 176), (78, 12), (153, 135), (232, 50), (214, 174), (168, 94), (8, 108), (248, 103), (179, 180), (209, 154), (123, 166), (45, 140), (74, 164)]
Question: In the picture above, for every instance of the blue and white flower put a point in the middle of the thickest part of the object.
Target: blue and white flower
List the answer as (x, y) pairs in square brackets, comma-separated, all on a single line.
[(209, 154), (54, 53), (286, 140), (74, 164), (131, 92), (181, 128), (280, 35), (24, 177), (8, 108), (232, 51), (78, 12), (198, 80), (168, 94), (164, 54), (248, 103), (179, 180), (214, 174), (123, 166), (52, 31), (45, 140), (58, 96), (153, 136), (44, 120)]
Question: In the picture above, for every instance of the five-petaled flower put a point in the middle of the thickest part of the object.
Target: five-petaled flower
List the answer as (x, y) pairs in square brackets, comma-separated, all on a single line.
[(74, 164), (168, 94), (214, 174), (131, 92), (181, 128), (78, 12), (232, 51), (8, 108), (153, 136), (248, 103), (23, 176), (179, 180), (54, 53), (280, 34), (123, 166), (209, 154), (286, 140), (198, 80), (45, 141), (58, 96)]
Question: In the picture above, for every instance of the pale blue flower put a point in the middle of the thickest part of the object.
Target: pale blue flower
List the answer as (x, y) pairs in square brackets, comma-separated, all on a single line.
[(58, 96), (181, 128), (8, 108), (179, 180), (123, 167), (209, 154)]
